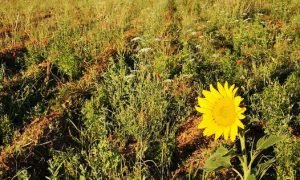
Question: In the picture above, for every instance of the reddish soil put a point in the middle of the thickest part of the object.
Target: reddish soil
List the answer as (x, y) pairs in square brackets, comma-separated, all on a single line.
[(194, 149), (28, 139), (40, 16), (172, 29), (18, 47), (11, 58), (189, 136), (5, 32), (38, 130), (191, 143)]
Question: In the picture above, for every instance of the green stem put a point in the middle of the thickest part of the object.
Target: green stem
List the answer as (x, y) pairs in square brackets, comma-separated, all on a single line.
[(203, 175), (237, 172), (244, 160)]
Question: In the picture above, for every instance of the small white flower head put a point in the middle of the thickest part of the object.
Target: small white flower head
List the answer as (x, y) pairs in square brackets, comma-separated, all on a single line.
[(145, 50), (136, 39)]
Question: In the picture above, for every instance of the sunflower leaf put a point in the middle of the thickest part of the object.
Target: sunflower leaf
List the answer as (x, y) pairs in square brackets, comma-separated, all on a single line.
[(266, 142), (262, 168), (217, 160), (251, 177)]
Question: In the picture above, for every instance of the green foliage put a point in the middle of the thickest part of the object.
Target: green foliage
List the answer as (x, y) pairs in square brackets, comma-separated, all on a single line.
[(122, 120), (6, 126), (22, 175), (217, 160), (266, 142), (64, 164), (275, 107), (6, 130), (279, 108), (221, 158), (63, 53), (287, 157), (128, 110), (139, 109)]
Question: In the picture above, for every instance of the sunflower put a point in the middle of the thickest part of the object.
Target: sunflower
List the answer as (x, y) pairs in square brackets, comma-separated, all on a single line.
[(221, 110)]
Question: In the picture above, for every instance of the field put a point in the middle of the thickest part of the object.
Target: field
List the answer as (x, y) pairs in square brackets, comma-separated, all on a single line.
[(107, 89)]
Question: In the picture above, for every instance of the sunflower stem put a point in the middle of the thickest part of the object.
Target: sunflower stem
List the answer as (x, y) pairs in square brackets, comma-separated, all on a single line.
[(244, 160), (238, 173)]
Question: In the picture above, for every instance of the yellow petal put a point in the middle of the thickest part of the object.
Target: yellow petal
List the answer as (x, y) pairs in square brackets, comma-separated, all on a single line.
[(203, 124), (234, 91), (238, 100), (214, 92), (218, 133), (208, 132), (241, 110), (226, 133), (221, 89), (240, 124), (226, 88), (231, 88), (208, 94), (241, 116), (208, 116), (204, 103), (233, 133), (230, 91), (202, 110)]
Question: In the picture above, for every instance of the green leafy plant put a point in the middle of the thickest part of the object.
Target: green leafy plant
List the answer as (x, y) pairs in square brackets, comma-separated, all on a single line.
[(221, 158)]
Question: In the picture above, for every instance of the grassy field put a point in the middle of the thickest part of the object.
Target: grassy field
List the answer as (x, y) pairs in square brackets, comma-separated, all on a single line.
[(107, 89)]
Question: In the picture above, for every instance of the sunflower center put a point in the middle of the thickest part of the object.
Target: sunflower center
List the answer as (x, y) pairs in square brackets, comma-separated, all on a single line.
[(224, 111)]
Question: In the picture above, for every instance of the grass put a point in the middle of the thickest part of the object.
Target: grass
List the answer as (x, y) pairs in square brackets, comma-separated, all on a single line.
[(92, 89)]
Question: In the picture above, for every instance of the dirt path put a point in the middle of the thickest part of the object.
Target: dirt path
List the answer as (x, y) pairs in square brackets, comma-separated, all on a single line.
[(194, 149)]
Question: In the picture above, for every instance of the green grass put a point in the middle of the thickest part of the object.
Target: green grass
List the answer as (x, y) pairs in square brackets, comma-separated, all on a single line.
[(126, 75)]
